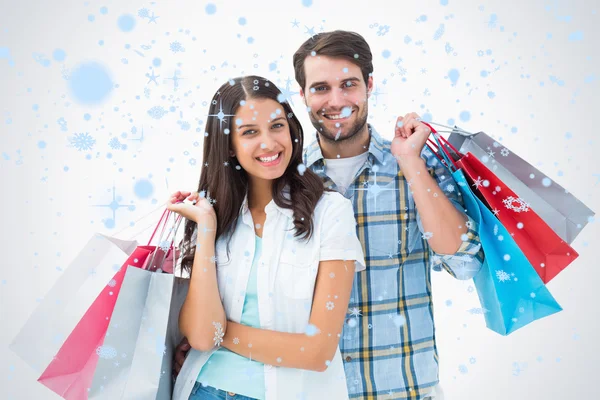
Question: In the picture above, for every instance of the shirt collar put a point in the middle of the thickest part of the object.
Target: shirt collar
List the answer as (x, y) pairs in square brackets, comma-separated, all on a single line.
[(376, 148)]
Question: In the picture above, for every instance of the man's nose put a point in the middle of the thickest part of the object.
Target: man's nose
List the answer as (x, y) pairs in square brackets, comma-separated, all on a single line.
[(336, 99)]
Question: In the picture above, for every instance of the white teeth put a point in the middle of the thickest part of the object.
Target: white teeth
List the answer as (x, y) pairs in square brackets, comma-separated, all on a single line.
[(337, 116), (269, 159)]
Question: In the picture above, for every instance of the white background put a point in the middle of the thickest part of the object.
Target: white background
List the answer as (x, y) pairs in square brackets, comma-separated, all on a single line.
[(545, 102)]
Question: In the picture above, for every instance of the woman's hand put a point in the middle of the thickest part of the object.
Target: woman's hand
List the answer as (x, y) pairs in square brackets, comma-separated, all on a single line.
[(198, 209)]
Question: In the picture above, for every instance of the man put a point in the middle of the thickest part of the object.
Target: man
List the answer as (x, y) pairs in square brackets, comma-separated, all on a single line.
[(408, 211), (409, 218)]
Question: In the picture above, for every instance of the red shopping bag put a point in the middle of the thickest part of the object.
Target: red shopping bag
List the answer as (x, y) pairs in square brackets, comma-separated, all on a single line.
[(71, 372), (544, 249)]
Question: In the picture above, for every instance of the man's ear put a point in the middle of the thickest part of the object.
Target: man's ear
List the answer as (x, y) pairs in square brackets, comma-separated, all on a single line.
[(369, 85), (303, 97)]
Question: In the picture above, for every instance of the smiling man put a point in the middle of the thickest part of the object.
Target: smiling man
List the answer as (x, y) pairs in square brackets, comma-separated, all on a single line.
[(410, 219)]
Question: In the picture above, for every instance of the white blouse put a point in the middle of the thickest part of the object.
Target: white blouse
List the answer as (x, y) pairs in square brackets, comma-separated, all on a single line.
[(287, 272)]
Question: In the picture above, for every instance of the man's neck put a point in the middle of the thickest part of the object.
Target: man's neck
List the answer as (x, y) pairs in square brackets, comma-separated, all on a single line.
[(346, 148)]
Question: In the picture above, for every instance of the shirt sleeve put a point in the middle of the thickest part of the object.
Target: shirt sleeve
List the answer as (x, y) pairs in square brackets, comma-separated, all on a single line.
[(338, 232), (468, 259)]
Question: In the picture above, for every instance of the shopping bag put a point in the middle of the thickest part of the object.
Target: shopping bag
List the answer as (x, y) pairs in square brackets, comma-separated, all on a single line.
[(546, 251), (68, 300), (510, 291), (562, 211), (71, 371), (136, 355)]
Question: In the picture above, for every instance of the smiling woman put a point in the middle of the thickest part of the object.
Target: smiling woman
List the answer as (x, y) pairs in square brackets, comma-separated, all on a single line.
[(271, 255)]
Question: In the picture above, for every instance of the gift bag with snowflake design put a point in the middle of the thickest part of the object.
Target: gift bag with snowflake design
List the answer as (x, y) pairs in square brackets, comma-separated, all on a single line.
[(511, 292), (548, 253), (560, 209)]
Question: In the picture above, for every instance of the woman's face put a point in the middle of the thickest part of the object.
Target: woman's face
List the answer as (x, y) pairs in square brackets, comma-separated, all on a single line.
[(261, 139)]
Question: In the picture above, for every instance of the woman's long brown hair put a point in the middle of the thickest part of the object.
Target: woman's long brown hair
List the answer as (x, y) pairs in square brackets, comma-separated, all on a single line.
[(228, 184)]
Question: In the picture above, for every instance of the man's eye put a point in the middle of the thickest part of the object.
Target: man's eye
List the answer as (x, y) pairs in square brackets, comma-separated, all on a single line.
[(320, 88), (349, 84)]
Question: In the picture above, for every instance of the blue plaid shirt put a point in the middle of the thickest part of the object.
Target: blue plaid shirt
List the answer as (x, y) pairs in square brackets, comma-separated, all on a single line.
[(388, 340)]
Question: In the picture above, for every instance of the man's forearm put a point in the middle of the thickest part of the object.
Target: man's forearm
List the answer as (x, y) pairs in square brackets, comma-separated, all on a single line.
[(444, 223)]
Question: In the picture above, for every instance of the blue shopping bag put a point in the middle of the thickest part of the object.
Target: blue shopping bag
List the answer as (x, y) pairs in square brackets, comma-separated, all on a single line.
[(510, 291)]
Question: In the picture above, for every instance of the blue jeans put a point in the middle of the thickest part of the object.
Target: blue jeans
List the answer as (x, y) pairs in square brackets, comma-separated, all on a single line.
[(200, 392)]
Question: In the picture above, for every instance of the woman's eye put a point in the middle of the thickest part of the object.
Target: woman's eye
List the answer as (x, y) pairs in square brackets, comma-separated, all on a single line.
[(277, 126), (248, 132)]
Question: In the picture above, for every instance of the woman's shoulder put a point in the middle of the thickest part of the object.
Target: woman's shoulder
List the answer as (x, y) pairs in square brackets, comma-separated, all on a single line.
[(331, 200)]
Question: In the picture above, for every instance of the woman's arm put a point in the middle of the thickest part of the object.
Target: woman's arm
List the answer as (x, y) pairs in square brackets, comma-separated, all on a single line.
[(312, 350), (202, 318)]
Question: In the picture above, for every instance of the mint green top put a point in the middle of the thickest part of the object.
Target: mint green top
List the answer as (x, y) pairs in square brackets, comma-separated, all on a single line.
[(226, 370)]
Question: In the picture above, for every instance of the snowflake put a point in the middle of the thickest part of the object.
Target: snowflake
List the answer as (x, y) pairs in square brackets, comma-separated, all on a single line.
[(355, 312), (176, 47), (114, 143), (143, 13), (330, 305), (516, 204), (63, 124), (112, 283), (383, 29), (449, 49), (504, 152), (218, 339), (407, 39), (477, 311), (427, 235), (236, 340), (157, 112), (164, 245), (82, 141), (450, 188), (192, 161), (502, 276), (478, 182), (106, 352), (332, 275), (439, 33), (469, 224)]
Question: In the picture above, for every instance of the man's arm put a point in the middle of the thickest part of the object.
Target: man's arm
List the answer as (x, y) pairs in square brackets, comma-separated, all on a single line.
[(452, 235)]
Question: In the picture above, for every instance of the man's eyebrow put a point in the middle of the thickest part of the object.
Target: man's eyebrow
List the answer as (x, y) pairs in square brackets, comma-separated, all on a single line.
[(320, 83), (252, 125)]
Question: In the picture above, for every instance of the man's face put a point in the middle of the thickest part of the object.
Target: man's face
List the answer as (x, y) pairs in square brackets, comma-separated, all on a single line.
[(336, 95)]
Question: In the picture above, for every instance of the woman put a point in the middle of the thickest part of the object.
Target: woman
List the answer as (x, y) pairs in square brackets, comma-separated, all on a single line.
[(271, 255)]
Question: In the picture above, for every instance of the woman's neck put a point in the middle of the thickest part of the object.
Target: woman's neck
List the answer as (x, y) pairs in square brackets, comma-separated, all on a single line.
[(259, 194)]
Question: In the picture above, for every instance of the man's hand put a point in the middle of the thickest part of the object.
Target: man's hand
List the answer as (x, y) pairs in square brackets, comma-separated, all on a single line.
[(410, 137), (179, 356)]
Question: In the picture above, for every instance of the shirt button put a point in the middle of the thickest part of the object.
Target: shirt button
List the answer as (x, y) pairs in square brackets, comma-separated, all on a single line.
[(348, 358)]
